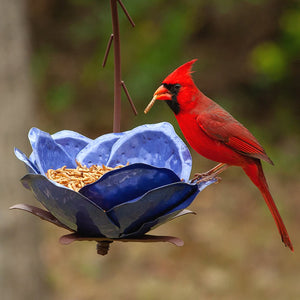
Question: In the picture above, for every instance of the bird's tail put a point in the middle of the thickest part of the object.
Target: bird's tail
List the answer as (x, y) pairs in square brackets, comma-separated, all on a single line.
[(255, 173)]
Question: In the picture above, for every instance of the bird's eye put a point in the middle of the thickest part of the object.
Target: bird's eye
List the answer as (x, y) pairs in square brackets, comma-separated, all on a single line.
[(174, 88)]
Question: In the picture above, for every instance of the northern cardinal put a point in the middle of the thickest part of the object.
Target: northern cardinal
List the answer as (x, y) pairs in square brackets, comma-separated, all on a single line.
[(215, 134)]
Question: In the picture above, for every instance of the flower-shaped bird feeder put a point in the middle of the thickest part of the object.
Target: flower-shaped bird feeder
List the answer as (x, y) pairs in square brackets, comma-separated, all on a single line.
[(114, 188)]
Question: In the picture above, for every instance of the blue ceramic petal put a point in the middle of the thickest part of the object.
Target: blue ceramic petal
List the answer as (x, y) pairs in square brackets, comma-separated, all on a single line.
[(29, 165), (152, 205), (186, 202), (98, 151), (32, 136), (71, 208), (47, 153), (72, 142), (156, 222), (171, 214), (127, 183), (33, 160), (202, 185), (155, 144)]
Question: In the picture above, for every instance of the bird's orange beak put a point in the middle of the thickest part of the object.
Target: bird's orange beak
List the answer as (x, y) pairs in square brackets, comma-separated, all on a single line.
[(161, 93)]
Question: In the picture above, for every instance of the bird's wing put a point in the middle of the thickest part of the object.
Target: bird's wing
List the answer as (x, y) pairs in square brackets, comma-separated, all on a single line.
[(220, 125)]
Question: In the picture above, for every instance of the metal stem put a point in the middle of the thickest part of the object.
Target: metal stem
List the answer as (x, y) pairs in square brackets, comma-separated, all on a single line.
[(117, 67)]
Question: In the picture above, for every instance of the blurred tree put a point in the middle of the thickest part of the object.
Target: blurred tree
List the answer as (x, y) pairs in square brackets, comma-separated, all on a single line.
[(20, 265), (248, 53)]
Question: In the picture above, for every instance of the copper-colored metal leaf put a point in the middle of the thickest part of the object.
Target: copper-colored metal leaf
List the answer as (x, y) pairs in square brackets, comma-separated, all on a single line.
[(39, 212), (70, 238)]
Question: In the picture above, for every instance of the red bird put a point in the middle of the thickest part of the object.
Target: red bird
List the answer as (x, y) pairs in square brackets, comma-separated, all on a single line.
[(216, 135)]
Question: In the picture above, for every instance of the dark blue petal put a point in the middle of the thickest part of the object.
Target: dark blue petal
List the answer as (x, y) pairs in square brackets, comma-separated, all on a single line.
[(72, 142), (177, 211), (155, 144), (156, 222), (47, 153), (71, 208), (98, 151), (127, 183), (30, 166), (164, 200)]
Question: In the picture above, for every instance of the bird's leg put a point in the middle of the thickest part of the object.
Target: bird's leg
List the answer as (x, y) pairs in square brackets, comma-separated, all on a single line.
[(212, 173)]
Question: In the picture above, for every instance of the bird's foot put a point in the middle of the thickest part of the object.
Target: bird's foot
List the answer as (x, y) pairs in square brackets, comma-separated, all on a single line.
[(202, 177), (211, 174)]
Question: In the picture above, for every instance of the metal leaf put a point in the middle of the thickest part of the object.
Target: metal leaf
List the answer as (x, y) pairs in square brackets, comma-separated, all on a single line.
[(70, 238), (41, 213)]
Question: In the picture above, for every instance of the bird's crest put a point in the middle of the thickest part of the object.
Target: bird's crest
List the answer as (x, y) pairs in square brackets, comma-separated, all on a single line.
[(181, 75)]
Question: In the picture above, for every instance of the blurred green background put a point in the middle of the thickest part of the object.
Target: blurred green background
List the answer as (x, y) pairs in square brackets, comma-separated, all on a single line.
[(249, 62)]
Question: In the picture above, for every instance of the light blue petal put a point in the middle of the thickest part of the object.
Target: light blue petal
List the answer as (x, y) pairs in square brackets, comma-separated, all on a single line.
[(71, 141), (71, 208), (47, 153), (98, 151), (29, 165), (202, 185), (154, 144), (32, 136)]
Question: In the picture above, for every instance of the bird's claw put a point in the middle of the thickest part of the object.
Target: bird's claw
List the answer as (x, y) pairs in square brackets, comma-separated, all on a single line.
[(202, 177)]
